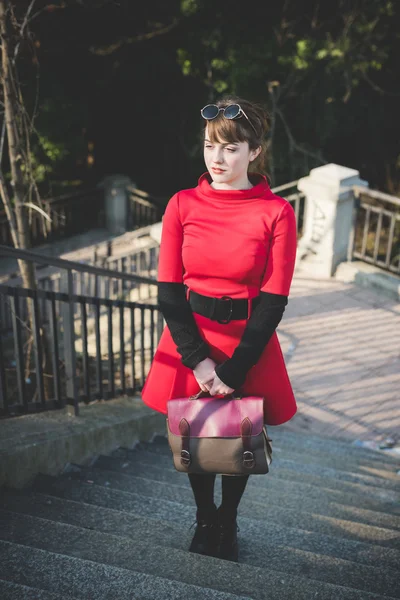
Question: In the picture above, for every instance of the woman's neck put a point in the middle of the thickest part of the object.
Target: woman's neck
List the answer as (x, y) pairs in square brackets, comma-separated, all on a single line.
[(247, 185)]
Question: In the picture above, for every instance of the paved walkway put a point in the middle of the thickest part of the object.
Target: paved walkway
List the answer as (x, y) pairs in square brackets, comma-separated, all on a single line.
[(342, 349)]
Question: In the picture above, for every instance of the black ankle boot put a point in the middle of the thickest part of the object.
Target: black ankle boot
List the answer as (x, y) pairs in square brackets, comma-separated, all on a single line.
[(206, 536), (228, 542)]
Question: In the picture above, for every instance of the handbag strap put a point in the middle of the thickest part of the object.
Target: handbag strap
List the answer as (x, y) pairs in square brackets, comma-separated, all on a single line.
[(184, 429), (236, 394), (246, 427)]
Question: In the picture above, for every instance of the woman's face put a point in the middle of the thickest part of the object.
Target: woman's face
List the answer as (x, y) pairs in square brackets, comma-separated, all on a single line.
[(228, 162)]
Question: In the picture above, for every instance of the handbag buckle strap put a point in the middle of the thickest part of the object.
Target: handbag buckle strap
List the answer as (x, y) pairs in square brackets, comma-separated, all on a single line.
[(248, 459), (185, 458), (246, 427), (184, 429)]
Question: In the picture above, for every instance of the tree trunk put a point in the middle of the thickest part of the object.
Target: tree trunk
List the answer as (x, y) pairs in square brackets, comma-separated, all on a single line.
[(18, 222), (14, 152)]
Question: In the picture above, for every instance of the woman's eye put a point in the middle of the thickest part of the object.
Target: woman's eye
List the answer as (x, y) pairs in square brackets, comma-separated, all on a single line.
[(229, 149)]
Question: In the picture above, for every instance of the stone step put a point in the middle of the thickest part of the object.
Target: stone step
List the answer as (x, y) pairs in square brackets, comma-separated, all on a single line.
[(277, 541), (362, 466), (142, 556), (377, 487), (300, 469), (15, 591), (287, 493), (387, 479), (87, 579), (340, 521), (252, 501), (306, 441)]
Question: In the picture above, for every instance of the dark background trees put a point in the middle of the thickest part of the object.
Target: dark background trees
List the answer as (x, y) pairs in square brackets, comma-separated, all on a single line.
[(121, 84)]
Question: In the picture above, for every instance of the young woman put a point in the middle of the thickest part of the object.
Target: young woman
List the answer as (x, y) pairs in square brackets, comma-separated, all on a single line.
[(226, 263)]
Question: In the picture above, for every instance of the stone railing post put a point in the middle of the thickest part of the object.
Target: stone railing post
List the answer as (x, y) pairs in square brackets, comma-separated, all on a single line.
[(328, 219), (155, 231), (116, 202)]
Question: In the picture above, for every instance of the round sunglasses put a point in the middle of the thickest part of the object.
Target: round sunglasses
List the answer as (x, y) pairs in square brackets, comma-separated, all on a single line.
[(232, 111)]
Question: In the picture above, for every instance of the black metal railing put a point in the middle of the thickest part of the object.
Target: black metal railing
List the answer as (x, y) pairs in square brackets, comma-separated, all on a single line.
[(77, 212), (133, 253), (131, 248), (70, 214), (375, 235), (143, 208), (80, 347)]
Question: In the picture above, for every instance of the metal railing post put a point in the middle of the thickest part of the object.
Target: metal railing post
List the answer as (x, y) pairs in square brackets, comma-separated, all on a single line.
[(352, 236), (69, 341)]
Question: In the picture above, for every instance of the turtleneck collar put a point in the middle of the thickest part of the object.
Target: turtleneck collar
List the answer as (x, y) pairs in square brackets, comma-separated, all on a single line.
[(260, 188)]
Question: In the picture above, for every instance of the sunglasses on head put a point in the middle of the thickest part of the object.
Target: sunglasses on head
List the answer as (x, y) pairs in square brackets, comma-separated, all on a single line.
[(232, 111)]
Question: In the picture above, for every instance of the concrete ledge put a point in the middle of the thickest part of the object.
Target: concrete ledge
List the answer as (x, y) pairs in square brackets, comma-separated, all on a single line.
[(46, 442), (369, 276)]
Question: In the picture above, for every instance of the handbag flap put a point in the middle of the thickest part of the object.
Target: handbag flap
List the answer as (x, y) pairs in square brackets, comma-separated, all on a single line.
[(215, 417)]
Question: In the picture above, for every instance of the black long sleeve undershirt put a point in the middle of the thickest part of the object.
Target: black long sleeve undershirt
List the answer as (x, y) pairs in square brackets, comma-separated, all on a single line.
[(259, 329), (193, 348), (178, 315)]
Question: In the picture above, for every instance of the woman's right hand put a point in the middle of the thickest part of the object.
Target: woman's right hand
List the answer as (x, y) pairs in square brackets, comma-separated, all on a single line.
[(204, 373)]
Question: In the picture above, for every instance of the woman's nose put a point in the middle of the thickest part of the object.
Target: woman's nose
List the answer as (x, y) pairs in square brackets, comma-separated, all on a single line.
[(218, 155)]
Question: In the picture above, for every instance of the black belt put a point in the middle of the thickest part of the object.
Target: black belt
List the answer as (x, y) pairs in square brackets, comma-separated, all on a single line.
[(223, 309)]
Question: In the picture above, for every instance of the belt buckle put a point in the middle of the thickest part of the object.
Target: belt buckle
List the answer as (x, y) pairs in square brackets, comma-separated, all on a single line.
[(230, 310)]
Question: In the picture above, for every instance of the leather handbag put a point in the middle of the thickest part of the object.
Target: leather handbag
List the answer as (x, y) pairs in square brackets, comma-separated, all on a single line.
[(210, 434)]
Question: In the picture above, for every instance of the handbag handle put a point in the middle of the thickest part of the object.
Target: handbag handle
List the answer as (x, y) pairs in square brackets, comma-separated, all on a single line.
[(231, 396)]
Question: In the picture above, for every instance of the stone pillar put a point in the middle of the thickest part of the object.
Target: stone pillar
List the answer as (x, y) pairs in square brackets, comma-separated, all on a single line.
[(328, 219), (116, 203), (155, 232)]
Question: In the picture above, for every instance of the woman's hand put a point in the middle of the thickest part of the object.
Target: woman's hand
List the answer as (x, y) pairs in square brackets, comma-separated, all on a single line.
[(219, 387), (208, 380), (204, 373)]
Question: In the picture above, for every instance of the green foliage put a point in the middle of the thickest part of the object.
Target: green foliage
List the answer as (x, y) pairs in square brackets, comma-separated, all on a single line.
[(53, 154), (335, 65), (189, 7), (52, 150), (184, 61), (301, 60)]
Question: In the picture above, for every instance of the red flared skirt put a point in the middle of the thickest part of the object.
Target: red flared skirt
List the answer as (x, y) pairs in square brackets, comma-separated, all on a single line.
[(169, 378)]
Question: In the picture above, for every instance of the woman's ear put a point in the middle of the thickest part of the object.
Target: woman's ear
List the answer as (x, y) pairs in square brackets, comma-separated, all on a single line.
[(255, 153)]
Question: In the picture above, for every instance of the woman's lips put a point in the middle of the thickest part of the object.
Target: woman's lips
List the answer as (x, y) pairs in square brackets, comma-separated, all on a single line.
[(218, 170)]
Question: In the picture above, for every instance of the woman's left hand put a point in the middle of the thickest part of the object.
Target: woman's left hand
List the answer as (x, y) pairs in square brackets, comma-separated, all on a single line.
[(219, 387)]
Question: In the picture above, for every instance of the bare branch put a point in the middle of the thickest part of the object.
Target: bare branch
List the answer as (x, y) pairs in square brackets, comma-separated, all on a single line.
[(314, 19), (295, 145), (9, 210), (48, 8), (106, 50), (376, 87), (40, 210), (274, 92), (36, 104), (2, 137), (21, 33)]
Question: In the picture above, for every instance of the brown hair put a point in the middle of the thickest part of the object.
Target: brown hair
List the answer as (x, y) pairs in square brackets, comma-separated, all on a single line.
[(240, 130)]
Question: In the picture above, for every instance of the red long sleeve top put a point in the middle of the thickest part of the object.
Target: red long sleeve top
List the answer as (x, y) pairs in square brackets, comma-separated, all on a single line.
[(240, 243)]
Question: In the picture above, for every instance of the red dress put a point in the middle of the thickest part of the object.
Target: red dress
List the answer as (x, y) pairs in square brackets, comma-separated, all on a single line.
[(235, 243)]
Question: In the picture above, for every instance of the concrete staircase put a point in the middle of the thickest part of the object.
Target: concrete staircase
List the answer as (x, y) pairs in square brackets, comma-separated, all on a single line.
[(324, 523)]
